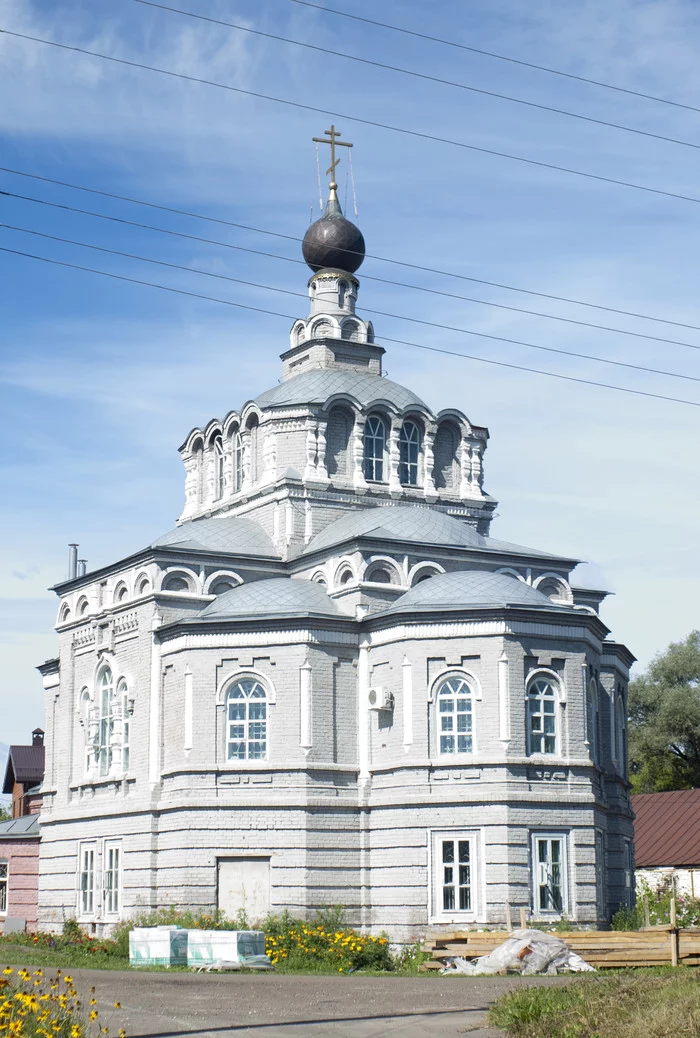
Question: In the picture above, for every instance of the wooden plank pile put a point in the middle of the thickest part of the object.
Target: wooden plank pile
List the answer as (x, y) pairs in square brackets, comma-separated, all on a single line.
[(604, 949)]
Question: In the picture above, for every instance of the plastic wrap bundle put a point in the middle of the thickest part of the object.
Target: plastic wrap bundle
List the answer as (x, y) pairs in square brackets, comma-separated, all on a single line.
[(527, 952)]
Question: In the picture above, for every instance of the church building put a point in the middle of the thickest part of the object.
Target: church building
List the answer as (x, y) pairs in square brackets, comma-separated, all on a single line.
[(329, 684)]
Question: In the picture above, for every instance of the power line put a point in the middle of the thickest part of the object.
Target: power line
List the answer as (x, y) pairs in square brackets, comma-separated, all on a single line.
[(418, 75), (377, 313), (539, 163), (500, 57), (381, 259), (370, 277), (403, 342)]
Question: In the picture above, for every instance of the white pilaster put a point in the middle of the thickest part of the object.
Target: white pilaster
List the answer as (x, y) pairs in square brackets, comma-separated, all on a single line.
[(305, 694), (363, 748), (407, 683), (504, 699), (189, 712), (154, 747), (394, 458)]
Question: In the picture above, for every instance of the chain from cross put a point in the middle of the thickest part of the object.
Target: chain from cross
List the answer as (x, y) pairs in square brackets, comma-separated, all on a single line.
[(332, 134)]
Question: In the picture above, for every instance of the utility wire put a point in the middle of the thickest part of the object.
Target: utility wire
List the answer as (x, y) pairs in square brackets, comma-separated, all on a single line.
[(403, 342), (377, 313), (370, 277), (499, 57), (417, 75), (539, 163), (369, 255)]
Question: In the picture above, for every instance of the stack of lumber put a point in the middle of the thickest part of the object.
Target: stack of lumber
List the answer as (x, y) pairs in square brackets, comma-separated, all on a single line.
[(603, 949)]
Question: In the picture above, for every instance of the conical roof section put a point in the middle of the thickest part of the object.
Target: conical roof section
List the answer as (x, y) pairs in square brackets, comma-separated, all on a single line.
[(333, 241)]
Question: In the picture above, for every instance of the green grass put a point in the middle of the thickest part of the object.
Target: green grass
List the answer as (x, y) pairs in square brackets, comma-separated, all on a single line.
[(641, 1003)]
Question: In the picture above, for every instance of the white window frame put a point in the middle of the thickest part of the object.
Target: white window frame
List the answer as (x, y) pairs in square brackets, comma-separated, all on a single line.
[(442, 680), (537, 874), (105, 730), (123, 702), (555, 681), (237, 460), (219, 470), (436, 877), (246, 721), (112, 856), (4, 885), (375, 437), (409, 454), (87, 867)]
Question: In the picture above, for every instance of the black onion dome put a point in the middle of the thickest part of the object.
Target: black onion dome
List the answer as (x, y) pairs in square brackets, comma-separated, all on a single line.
[(333, 241)]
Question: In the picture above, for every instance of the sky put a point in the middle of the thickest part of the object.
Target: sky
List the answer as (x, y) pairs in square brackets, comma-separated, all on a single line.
[(101, 379)]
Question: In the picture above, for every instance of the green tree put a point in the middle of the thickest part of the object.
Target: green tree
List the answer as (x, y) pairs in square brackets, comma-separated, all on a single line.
[(664, 720), (4, 813)]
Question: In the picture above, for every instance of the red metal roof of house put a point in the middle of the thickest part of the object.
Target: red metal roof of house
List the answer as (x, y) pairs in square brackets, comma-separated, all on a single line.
[(667, 828)]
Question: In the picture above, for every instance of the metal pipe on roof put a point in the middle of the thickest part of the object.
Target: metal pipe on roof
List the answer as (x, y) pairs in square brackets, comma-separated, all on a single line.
[(72, 561), (82, 567)]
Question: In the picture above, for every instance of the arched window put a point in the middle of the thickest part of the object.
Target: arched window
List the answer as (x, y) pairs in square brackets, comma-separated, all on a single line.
[(409, 449), (592, 718), (64, 615), (220, 587), (105, 729), (379, 575), (554, 589), (342, 289), (218, 467), (350, 331), (455, 716), (542, 715), (446, 469), (322, 330), (375, 446), (144, 586), (338, 433), (85, 712), (123, 701), (252, 428), (122, 593), (237, 456), (176, 582), (246, 721)]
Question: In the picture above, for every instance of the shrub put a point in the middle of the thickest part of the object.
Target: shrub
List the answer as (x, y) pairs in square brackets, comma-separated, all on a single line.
[(35, 1006), (687, 908), (297, 944)]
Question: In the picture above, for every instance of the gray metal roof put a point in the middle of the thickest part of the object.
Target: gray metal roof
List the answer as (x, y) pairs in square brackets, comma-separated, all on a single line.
[(276, 596), (411, 523), (399, 523), (23, 828), (315, 387), (472, 588), (237, 536)]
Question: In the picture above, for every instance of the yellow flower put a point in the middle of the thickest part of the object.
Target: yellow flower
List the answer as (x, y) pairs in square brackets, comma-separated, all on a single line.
[(94, 1014), (117, 1005), (93, 1001), (68, 980)]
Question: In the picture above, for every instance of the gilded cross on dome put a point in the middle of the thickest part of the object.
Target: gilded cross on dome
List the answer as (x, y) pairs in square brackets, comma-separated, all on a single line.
[(330, 139)]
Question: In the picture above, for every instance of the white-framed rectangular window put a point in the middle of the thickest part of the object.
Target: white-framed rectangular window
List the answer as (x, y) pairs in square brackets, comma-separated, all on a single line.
[(111, 876), (86, 879), (4, 882), (454, 875), (550, 874)]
